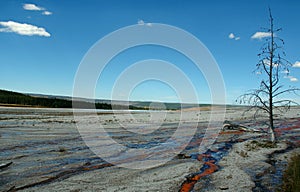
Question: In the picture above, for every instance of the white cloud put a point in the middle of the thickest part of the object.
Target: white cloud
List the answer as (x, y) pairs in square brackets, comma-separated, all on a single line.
[(232, 36), (141, 22), (260, 35), (293, 79), (285, 71), (23, 29), (47, 13), (296, 64), (32, 7), (267, 62)]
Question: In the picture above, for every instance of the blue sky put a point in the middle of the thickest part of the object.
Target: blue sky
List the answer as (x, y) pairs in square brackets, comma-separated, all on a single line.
[(43, 56)]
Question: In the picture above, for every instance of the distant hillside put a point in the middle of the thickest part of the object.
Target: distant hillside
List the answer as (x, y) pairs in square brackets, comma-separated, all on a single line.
[(132, 104), (54, 101), (10, 97)]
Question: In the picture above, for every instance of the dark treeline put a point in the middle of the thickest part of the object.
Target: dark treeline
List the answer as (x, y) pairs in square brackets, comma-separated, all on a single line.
[(9, 97)]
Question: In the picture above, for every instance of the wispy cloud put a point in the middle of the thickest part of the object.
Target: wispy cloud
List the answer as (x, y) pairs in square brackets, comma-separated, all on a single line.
[(268, 63), (285, 71), (141, 22), (232, 36), (296, 64), (260, 35), (292, 78), (32, 7), (47, 13), (23, 29)]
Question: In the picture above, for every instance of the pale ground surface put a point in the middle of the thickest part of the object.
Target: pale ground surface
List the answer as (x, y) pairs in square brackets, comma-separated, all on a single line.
[(165, 178), (234, 174), (44, 143), (238, 170)]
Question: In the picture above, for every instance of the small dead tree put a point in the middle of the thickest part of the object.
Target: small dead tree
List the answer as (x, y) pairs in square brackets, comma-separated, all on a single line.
[(268, 97)]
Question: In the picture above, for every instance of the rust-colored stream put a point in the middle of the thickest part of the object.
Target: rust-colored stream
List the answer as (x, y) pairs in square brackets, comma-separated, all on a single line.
[(188, 185), (210, 166)]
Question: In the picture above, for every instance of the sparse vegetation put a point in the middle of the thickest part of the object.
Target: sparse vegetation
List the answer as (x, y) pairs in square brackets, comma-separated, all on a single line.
[(242, 153), (255, 145), (291, 177)]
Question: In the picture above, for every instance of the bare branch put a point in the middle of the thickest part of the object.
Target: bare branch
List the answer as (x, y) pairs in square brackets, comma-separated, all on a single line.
[(276, 89), (266, 86), (292, 90), (285, 101)]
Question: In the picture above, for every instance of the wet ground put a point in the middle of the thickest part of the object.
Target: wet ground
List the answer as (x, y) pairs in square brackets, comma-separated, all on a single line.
[(45, 146), (265, 172)]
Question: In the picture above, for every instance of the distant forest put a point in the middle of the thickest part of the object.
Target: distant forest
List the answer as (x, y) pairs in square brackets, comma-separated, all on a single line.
[(10, 97)]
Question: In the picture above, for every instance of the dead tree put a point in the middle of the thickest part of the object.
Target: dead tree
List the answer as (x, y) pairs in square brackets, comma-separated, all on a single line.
[(268, 97)]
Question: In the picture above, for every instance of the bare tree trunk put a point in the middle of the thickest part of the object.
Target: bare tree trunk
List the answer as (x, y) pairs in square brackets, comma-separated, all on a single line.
[(271, 49), (272, 135), (271, 128)]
